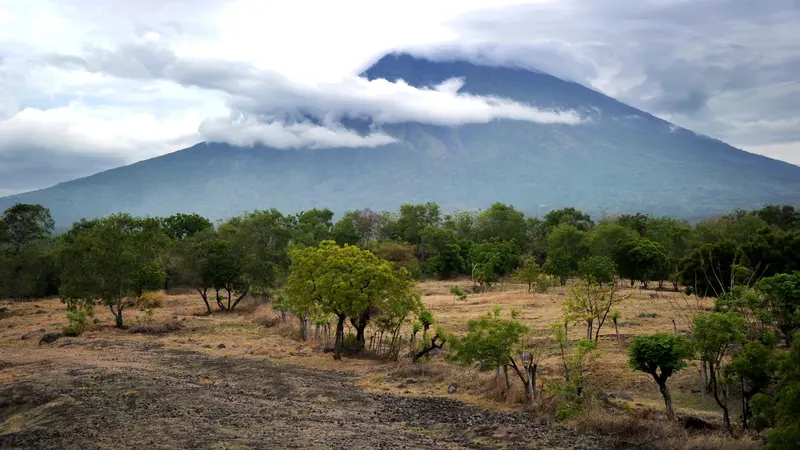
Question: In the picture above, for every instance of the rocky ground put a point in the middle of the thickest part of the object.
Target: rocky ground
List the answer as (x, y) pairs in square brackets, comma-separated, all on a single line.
[(88, 393)]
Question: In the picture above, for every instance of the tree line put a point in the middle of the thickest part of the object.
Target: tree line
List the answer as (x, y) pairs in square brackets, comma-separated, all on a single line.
[(362, 269)]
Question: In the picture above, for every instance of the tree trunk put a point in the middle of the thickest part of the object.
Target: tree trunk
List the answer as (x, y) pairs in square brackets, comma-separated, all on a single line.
[(117, 313), (589, 330), (662, 386), (530, 286), (674, 326), (505, 373), (244, 294), (726, 419), (532, 382), (339, 341), (204, 293), (616, 329)]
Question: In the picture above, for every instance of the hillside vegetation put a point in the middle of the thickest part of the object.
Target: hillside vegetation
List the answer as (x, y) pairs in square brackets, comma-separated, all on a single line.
[(628, 331)]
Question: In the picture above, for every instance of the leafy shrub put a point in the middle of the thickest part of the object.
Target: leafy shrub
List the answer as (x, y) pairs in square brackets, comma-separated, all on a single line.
[(146, 320), (76, 318), (148, 300)]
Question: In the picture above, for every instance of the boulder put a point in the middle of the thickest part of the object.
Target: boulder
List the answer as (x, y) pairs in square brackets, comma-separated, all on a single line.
[(49, 338), (30, 335), (452, 389), (221, 346), (621, 395)]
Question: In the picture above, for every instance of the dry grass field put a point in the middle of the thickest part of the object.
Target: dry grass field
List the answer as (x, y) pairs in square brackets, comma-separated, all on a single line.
[(230, 381)]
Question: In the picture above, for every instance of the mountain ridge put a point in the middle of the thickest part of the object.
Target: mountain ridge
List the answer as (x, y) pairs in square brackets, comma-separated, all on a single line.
[(622, 160)]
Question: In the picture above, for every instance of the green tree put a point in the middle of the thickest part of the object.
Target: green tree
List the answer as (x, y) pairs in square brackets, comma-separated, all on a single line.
[(638, 223), (660, 355), (785, 217), (676, 238), (568, 216), (496, 342), (755, 368), (260, 241), (22, 224), (492, 260), (604, 238), (528, 272), (414, 218), (591, 303), (105, 262), (448, 262), (597, 269), (503, 223), (312, 227), (782, 299), (181, 226), (786, 434), (560, 263), (343, 281), (716, 335), (640, 259)]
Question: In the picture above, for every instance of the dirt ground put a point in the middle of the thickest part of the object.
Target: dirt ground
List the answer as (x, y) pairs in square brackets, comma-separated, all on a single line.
[(224, 381)]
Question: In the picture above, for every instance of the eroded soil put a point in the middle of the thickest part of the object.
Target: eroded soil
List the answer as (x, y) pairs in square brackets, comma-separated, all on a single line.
[(87, 393)]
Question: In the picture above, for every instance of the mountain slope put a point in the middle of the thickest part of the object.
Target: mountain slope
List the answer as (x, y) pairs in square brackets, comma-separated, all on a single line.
[(622, 160)]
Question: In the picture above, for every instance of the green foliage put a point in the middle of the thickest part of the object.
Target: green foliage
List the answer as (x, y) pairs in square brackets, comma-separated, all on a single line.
[(181, 226), (641, 259), (782, 299), (597, 269), (755, 368), (501, 223), (346, 282), (77, 315), (106, 262), (660, 355), (560, 263), (399, 255), (591, 303), (576, 358), (448, 262), (605, 237), (786, 434), (413, 219), (567, 216), (490, 339), (458, 294), (491, 260), (312, 227), (22, 224), (529, 273)]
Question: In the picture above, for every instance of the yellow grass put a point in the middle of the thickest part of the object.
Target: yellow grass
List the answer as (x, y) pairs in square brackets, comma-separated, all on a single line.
[(255, 332)]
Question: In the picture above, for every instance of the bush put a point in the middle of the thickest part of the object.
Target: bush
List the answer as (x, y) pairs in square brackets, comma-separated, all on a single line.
[(148, 300), (76, 318)]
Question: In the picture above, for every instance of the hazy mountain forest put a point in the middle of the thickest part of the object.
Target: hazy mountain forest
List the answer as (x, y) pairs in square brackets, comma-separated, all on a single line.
[(353, 283)]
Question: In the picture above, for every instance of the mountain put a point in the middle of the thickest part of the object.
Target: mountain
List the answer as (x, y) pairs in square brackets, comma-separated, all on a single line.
[(623, 160)]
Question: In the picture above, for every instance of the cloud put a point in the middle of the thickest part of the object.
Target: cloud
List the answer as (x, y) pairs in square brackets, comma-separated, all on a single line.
[(707, 65), (244, 131)]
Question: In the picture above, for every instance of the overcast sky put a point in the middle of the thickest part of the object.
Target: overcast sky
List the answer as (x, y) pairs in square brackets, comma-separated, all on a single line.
[(87, 85)]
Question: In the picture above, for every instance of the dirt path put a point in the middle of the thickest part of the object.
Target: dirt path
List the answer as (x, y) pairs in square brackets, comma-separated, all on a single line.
[(118, 394)]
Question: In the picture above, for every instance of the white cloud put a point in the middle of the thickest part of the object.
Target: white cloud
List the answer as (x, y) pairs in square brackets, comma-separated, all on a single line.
[(244, 131)]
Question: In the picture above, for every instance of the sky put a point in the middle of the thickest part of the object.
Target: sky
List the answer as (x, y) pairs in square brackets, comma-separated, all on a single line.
[(86, 85)]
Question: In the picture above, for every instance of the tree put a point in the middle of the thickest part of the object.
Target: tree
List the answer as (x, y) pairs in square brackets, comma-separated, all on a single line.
[(676, 238), (785, 217), (181, 226), (496, 342), (715, 337), (22, 224), (260, 241), (448, 262), (414, 218), (597, 269), (492, 260), (591, 302), (782, 299), (660, 355), (105, 262), (604, 238), (639, 223), (561, 264), (528, 272), (343, 281), (312, 227), (503, 223), (568, 216), (640, 259), (458, 294), (209, 262), (786, 434), (755, 368)]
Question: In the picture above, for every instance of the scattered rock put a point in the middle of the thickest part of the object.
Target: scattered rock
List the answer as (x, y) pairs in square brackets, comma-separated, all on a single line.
[(3, 310), (221, 346), (49, 338), (621, 395), (206, 346), (30, 335), (42, 330), (452, 389), (174, 317)]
